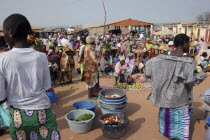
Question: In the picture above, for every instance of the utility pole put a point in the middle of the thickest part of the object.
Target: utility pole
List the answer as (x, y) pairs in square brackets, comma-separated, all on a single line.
[(104, 16)]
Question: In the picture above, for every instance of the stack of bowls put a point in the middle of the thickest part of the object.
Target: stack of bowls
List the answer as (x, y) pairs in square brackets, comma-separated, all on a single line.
[(112, 100)]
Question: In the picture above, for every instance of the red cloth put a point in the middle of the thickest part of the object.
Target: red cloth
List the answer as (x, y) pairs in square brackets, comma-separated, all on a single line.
[(172, 47), (57, 53), (46, 52)]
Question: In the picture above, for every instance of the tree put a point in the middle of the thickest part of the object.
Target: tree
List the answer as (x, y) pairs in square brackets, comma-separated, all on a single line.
[(205, 16)]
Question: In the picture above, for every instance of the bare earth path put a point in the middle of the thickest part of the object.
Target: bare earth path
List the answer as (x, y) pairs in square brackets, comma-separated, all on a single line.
[(142, 114)]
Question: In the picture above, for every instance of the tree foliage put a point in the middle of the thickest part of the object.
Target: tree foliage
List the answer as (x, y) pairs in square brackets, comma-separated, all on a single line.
[(205, 16)]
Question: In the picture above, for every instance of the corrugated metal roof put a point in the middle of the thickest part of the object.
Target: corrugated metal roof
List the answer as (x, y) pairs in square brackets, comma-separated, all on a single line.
[(127, 22)]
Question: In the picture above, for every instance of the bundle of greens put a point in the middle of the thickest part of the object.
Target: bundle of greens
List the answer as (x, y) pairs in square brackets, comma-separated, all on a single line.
[(84, 117)]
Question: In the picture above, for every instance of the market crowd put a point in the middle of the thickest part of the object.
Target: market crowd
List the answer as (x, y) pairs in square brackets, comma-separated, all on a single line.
[(34, 64)]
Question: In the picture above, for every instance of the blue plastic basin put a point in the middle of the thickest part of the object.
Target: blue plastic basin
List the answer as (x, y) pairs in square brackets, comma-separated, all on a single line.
[(85, 105)]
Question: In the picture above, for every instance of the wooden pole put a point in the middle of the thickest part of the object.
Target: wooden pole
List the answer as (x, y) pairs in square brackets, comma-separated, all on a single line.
[(104, 16)]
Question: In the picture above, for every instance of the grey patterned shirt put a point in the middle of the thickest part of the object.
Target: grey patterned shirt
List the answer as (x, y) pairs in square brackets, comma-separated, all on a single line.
[(173, 78)]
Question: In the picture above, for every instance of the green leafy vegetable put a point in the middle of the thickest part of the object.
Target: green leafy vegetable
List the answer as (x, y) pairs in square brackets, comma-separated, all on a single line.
[(84, 117)]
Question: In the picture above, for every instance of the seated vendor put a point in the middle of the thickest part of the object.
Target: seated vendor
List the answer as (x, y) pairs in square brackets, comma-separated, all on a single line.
[(105, 65), (120, 69), (130, 61), (203, 60)]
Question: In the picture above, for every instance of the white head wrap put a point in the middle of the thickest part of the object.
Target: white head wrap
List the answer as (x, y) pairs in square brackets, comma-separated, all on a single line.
[(90, 39)]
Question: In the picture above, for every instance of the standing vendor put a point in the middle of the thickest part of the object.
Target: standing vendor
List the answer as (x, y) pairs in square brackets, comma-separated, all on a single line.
[(90, 73), (149, 47)]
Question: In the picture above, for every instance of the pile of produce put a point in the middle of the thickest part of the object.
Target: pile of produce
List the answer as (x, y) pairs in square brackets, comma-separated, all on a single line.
[(113, 121), (113, 96), (84, 117), (121, 86)]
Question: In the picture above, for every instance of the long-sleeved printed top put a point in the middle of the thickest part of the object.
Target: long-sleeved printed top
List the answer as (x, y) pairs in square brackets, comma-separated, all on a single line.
[(173, 78)]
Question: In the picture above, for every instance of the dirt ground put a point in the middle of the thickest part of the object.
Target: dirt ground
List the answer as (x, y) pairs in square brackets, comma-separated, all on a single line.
[(143, 116)]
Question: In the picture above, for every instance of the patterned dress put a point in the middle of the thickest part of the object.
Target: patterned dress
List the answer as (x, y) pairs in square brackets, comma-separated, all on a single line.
[(91, 67), (67, 66)]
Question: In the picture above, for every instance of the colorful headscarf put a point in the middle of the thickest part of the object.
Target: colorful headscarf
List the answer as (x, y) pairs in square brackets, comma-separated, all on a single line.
[(31, 37)]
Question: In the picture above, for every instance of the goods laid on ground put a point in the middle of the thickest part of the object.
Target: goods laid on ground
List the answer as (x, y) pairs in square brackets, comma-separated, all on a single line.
[(112, 100), (113, 121), (126, 86), (113, 125)]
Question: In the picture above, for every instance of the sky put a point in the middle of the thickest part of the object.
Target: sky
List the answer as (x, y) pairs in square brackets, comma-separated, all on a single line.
[(47, 13)]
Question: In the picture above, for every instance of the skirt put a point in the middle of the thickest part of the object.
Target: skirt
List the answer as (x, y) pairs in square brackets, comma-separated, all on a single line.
[(175, 122), (33, 124)]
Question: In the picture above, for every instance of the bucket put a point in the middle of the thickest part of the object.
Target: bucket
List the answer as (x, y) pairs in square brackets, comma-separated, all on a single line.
[(85, 105), (113, 132), (51, 95), (82, 126)]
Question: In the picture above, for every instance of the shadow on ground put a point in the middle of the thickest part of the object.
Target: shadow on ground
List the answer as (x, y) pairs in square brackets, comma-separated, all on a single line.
[(194, 118)]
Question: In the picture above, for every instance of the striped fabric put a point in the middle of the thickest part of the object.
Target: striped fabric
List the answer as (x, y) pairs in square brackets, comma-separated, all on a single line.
[(174, 122)]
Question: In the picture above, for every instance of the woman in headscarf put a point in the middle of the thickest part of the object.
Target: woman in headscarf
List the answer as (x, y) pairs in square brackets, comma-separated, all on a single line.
[(67, 63), (130, 61), (90, 73), (173, 76)]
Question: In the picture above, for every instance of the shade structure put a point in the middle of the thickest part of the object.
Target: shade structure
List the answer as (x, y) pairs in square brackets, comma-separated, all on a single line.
[(165, 32), (128, 22), (37, 29)]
